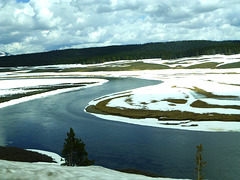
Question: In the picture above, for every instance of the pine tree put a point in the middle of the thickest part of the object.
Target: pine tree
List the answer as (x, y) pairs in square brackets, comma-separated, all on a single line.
[(200, 163), (74, 151)]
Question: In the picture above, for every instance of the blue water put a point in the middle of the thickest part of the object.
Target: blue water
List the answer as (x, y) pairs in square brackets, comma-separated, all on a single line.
[(43, 124)]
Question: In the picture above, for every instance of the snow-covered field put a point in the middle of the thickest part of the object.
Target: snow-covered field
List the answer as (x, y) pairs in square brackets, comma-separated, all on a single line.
[(219, 88), (179, 85), (10, 170)]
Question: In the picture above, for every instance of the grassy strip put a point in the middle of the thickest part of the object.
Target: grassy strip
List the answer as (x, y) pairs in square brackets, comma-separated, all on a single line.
[(229, 65), (19, 95), (209, 94), (201, 104), (131, 67), (211, 65), (101, 108), (176, 101), (230, 84), (39, 90), (45, 70)]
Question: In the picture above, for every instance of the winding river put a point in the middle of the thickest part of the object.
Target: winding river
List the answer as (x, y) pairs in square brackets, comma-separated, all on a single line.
[(43, 124)]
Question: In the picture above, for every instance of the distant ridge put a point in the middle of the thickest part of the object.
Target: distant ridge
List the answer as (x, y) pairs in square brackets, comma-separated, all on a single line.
[(163, 50)]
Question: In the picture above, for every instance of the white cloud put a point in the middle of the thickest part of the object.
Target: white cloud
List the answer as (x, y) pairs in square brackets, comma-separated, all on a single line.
[(56, 24)]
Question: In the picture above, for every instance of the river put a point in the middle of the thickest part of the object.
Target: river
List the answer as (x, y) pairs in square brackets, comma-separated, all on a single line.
[(43, 124)]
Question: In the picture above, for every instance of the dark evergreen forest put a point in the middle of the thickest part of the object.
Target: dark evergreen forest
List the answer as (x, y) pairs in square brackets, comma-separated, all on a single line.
[(164, 50)]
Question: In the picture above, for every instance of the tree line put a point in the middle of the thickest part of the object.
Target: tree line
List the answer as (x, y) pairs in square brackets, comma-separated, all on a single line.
[(164, 50)]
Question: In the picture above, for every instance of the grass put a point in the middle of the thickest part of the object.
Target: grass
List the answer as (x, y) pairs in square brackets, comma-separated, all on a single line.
[(101, 108), (135, 66), (129, 101), (229, 66), (209, 94), (201, 104), (211, 65), (45, 70), (176, 101)]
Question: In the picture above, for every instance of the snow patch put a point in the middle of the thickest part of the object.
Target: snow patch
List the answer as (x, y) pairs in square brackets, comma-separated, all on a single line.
[(206, 126), (27, 171), (58, 159)]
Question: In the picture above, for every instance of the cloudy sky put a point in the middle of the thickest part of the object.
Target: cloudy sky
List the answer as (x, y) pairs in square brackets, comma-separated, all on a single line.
[(28, 26)]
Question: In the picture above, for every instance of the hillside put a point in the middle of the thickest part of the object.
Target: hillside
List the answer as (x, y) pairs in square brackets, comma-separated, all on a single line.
[(163, 50)]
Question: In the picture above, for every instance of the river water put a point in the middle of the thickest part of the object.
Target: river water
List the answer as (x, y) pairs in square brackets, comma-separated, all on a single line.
[(43, 124)]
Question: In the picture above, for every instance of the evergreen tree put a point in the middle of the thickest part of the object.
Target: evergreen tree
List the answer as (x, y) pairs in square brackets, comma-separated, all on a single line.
[(200, 163), (74, 151)]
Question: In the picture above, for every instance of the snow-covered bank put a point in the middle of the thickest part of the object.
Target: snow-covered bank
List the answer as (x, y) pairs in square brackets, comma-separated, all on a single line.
[(220, 89), (156, 97), (17, 86), (27, 171), (58, 159), (207, 126)]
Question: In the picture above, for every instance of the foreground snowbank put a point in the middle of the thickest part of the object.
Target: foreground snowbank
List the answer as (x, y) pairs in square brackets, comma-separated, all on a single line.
[(11, 170), (27, 171)]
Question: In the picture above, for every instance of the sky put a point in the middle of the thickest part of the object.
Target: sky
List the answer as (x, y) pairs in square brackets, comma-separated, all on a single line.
[(28, 26)]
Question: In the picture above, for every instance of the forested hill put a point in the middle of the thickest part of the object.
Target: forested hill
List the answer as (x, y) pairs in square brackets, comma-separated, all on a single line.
[(164, 50)]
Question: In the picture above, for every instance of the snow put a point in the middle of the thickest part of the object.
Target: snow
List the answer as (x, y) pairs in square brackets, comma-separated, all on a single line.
[(180, 84), (58, 159), (2, 54), (28, 171), (206, 126), (189, 61), (177, 84), (222, 102), (152, 97), (15, 86), (23, 83)]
